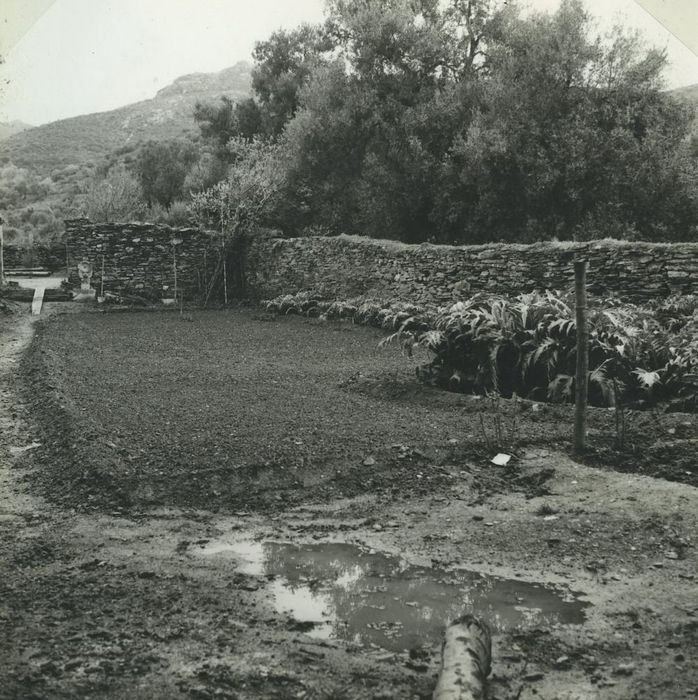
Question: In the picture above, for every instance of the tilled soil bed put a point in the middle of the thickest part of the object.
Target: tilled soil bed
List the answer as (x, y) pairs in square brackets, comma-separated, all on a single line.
[(236, 410)]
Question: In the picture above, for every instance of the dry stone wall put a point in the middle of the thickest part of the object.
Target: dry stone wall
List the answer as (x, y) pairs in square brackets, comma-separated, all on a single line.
[(49, 257), (349, 266), (139, 258)]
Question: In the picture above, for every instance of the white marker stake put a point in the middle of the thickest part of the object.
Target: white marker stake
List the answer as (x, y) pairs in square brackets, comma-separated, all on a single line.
[(37, 301)]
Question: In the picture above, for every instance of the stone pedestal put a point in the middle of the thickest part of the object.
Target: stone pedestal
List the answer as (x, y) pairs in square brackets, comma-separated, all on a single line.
[(85, 295)]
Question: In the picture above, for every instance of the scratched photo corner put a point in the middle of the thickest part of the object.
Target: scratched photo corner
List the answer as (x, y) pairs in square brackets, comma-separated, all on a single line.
[(348, 349)]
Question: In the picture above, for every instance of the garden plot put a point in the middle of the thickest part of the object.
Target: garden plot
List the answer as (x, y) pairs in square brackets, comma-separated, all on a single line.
[(207, 480), (232, 411)]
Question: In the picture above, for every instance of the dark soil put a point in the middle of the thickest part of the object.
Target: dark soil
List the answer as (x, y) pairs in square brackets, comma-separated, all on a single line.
[(227, 411)]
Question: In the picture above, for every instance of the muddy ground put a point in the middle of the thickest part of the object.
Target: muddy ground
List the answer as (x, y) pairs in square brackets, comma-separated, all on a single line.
[(157, 445)]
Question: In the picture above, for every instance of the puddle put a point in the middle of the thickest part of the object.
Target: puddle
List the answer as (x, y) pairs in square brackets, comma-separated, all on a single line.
[(344, 591)]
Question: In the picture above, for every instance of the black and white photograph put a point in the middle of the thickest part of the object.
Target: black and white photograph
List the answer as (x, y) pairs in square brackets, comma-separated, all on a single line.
[(348, 349)]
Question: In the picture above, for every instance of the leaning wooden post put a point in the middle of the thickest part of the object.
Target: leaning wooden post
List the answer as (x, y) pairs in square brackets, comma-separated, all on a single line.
[(466, 657), (581, 381)]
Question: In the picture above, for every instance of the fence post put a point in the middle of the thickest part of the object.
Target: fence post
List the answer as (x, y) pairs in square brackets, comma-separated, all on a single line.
[(581, 381), (2, 254)]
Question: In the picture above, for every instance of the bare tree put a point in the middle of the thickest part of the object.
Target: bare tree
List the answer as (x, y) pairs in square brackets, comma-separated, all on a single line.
[(115, 198)]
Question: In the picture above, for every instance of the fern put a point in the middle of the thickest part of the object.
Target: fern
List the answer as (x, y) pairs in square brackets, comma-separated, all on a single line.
[(641, 356)]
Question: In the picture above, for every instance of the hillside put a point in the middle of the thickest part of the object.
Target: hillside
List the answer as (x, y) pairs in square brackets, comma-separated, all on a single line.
[(688, 92), (8, 129), (46, 170), (87, 138)]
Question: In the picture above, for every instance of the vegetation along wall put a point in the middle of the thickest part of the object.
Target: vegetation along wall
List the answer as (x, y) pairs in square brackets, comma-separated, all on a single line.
[(350, 266), (139, 258)]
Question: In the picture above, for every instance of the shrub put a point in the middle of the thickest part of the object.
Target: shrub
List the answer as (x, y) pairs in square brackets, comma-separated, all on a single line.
[(527, 346)]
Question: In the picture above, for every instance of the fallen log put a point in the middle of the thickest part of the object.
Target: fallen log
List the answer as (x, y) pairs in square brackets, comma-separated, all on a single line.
[(466, 656)]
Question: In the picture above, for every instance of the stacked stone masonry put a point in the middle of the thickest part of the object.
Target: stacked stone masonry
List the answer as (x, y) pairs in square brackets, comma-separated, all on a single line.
[(48, 257), (350, 266), (139, 258)]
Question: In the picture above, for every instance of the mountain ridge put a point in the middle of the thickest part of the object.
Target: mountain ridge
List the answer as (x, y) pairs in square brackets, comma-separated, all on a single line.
[(90, 137)]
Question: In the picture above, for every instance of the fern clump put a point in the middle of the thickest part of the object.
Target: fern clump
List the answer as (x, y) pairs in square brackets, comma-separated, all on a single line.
[(366, 312), (639, 356), (527, 346)]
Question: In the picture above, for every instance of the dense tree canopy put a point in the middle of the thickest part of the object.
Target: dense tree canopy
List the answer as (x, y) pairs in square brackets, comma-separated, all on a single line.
[(467, 121), (572, 136), (162, 168), (283, 64)]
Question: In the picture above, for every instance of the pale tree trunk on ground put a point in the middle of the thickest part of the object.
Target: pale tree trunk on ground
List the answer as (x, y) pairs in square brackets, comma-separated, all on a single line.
[(465, 661)]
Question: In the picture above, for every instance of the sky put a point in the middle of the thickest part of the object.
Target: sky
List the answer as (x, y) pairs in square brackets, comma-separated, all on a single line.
[(83, 56)]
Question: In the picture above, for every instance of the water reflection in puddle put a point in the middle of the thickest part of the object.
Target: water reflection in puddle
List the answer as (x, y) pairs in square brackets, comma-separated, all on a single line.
[(345, 591)]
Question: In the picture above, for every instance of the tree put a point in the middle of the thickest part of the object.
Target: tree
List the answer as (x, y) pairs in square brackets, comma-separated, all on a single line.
[(19, 186), (247, 197), (117, 197), (372, 129), (206, 172), (162, 167), (217, 123), (283, 64), (573, 137), (464, 121)]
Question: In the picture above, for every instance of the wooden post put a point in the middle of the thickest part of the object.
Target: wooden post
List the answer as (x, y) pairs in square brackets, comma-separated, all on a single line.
[(174, 265), (225, 281), (2, 254), (205, 273), (581, 381), (175, 242), (466, 657)]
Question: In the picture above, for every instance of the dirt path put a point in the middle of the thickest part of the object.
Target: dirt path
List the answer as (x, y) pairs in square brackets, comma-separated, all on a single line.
[(175, 603)]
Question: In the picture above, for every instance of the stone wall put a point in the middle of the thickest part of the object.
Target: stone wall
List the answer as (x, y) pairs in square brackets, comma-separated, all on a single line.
[(139, 258), (349, 266), (49, 257)]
